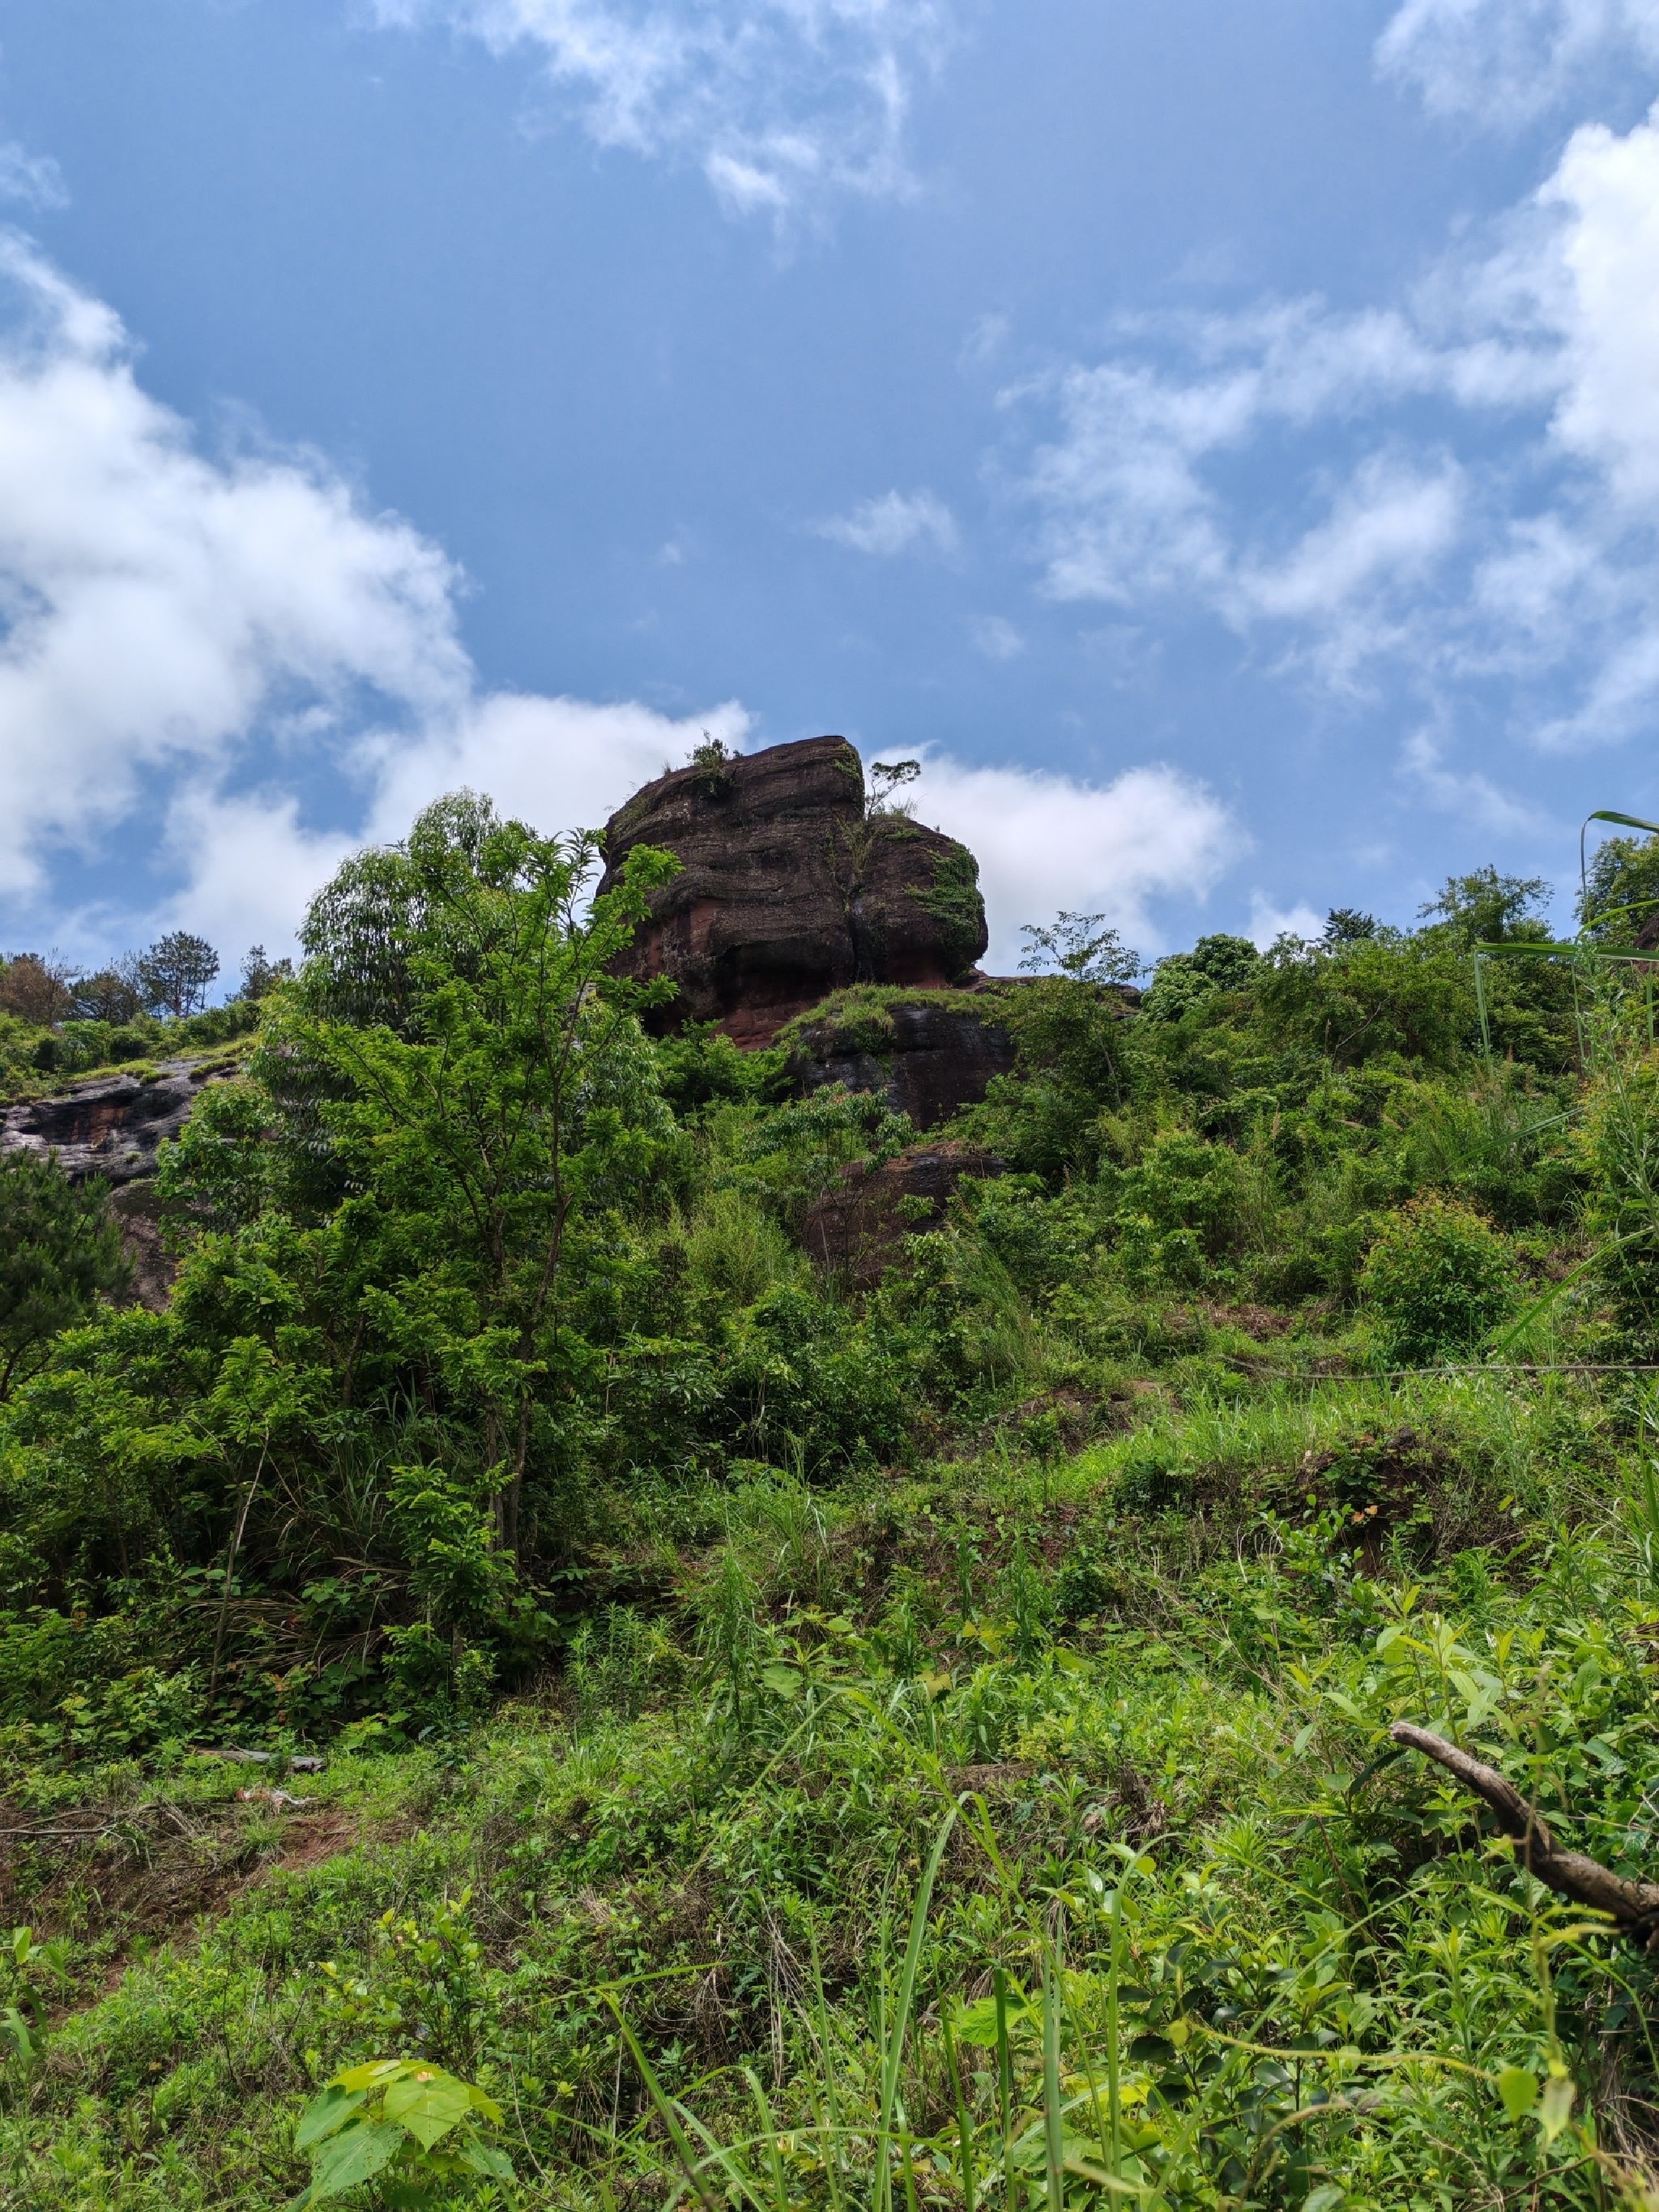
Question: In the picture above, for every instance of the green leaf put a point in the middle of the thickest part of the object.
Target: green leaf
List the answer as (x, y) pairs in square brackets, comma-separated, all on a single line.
[(786, 1681), (428, 2103), (484, 2159), (378, 2070), (357, 2155), (977, 2023), (1325, 2198), (1519, 2090), (1557, 2105), (325, 2113)]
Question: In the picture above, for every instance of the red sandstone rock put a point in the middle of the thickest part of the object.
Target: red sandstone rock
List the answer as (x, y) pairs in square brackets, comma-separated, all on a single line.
[(790, 889), (858, 1228)]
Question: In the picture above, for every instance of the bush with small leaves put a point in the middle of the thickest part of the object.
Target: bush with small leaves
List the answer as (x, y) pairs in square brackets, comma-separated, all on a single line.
[(1438, 1279)]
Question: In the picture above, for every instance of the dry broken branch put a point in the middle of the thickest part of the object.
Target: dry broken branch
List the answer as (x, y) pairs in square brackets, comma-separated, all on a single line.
[(1633, 1904)]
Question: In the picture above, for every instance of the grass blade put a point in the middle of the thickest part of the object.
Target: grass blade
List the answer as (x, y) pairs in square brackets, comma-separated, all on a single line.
[(1054, 2126), (904, 1996)]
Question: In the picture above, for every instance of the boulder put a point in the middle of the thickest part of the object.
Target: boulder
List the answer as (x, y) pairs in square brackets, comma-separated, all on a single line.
[(926, 1057), (857, 1229), (791, 888)]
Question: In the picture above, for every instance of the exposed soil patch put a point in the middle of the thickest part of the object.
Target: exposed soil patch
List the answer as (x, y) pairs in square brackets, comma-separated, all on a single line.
[(311, 1837), (1260, 1321), (117, 1877)]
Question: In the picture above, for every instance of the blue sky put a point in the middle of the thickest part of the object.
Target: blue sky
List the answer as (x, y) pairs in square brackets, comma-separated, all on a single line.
[(1223, 441)]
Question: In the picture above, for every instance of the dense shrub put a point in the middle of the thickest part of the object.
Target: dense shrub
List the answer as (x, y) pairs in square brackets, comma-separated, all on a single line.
[(1436, 1279)]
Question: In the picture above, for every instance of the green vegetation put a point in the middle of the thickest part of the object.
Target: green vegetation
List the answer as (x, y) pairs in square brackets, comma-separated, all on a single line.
[(952, 896), (60, 1253), (790, 1744), (859, 1019), (56, 1023)]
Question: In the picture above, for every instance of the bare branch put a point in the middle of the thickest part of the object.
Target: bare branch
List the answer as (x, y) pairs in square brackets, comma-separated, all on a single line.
[(1633, 1904)]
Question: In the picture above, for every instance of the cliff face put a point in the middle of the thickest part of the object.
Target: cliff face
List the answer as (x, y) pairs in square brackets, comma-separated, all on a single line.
[(789, 890), (112, 1127)]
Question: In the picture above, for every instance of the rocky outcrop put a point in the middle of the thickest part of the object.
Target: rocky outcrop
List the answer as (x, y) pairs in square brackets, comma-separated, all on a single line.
[(857, 1229), (791, 888), (113, 1127), (927, 1059), (139, 1217)]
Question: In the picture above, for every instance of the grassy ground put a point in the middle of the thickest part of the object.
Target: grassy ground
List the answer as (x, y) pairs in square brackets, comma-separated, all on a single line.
[(1020, 1835)]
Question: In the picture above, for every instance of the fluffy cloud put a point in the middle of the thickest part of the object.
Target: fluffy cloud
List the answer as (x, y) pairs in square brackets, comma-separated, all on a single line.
[(1045, 842), (198, 636), (897, 522), (1330, 483), (158, 605), (561, 763), (198, 642), (1510, 60), (778, 102), (1605, 195), (1268, 922)]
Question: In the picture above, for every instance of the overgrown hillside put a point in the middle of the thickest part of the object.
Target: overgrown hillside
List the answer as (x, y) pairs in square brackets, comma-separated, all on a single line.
[(789, 1743)]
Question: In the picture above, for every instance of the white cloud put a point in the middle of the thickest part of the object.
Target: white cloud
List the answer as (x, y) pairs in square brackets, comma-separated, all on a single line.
[(996, 637), (1472, 797), (1390, 520), (248, 867), (1045, 841), (1464, 484), (897, 522), (35, 179), (1507, 60), (157, 605), (1606, 191), (779, 102), (1269, 922), (199, 641), (561, 763), (198, 635)]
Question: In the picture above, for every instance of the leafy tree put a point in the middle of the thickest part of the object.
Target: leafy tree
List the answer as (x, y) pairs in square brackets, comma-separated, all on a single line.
[(458, 1104), (1069, 1039), (35, 989), (174, 974), (1620, 903), (1347, 925), (260, 976), (886, 780), (112, 994), (1216, 963), (1083, 946), (60, 1251), (1484, 908), (1369, 997)]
